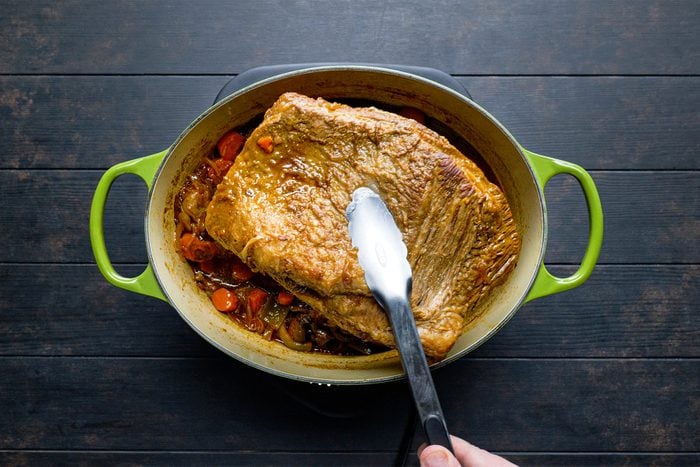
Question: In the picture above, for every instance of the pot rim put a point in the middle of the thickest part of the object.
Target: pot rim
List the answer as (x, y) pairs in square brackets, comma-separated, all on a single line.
[(351, 68)]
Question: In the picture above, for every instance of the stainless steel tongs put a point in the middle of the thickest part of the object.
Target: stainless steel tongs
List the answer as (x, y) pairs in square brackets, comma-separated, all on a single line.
[(382, 255)]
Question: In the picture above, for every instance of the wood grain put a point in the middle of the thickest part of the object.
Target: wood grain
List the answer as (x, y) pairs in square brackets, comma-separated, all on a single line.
[(602, 460), (649, 217), (95, 121), (82, 315), (606, 374), (475, 37), (601, 123), (573, 405), (64, 122), (323, 458), (516, 405), (623, 311), (188, 459), (185, 404)]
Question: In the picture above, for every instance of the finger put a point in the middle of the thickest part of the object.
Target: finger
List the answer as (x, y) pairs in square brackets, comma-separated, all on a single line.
[(470, 455), (437, 456)]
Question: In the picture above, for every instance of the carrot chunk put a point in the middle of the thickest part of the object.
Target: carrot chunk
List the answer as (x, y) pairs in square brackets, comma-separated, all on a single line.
[(197, 250), (217, 170), (265, 143), (230, 145), (256, 299), (224, 300), (241, 272), (285, 298)]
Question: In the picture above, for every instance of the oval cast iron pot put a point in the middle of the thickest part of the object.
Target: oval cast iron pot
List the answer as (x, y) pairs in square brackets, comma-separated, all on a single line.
[(521, 173)]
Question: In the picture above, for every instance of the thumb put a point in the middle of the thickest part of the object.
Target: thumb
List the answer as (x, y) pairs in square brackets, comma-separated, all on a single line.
[(437, 456)]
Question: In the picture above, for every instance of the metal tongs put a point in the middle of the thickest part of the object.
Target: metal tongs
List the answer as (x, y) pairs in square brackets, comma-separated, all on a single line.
[(382, 255)]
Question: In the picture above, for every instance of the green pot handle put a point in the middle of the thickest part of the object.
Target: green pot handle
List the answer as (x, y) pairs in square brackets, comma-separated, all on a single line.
[(545, 168), (145, 283)]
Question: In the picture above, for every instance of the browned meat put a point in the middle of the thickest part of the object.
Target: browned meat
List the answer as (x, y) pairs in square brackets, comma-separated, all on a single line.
[(281, 208)]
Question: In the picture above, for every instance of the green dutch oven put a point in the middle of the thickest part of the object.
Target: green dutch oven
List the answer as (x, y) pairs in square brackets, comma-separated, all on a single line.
[(522, 175)]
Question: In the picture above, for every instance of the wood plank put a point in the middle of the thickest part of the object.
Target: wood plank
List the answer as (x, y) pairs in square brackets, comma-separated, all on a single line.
[(567, 405), (598, 122), (79, 313), (601, 123), (622, 311), (96, 121), (187, 459), (606, 374), (476, 37), (50, 214), (602, 460), (651, 217), (584, 459), (537, 405), (188, 404)]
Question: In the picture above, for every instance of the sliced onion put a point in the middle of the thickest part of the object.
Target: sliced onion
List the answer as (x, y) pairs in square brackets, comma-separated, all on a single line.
[(291, 343), (296, 330), (195, 201), (185, 220)]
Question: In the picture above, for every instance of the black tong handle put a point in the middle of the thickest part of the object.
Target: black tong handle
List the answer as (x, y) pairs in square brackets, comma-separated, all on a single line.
[(417, 370)]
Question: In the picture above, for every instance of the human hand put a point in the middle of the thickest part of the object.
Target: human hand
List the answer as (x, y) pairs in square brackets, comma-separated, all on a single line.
[(466, 455)]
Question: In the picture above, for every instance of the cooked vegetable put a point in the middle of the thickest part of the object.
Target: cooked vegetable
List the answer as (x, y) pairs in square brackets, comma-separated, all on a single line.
[(265, 143), (285, 298), (197, 250), (241, 272), (196, 199), (296, 330), (256, 299), (217, 169), (224, 300), (273, 314), (291, 343), (230, 145)]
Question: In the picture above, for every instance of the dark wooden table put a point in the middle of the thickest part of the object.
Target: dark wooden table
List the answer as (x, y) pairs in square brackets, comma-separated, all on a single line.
[(606, 374)]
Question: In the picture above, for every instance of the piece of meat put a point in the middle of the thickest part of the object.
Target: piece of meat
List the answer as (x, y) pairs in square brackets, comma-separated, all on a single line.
[(281, 209)]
